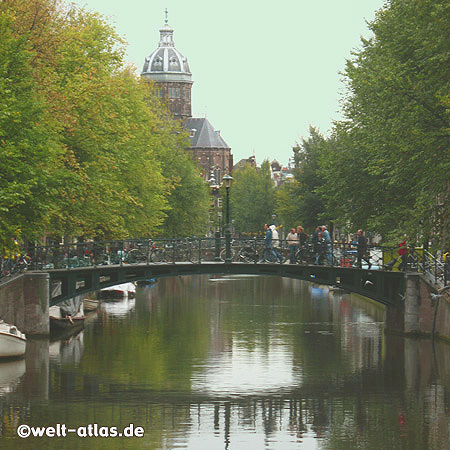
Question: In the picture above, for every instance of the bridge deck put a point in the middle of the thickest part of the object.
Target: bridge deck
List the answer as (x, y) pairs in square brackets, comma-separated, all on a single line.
[(383, 286)]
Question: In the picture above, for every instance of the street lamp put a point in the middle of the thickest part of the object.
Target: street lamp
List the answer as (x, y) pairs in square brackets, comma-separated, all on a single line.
[(227, 182)]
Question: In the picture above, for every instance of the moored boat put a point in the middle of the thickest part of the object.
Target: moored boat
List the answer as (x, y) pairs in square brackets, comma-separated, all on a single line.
[(147, 282), (89, 304), (119, 291), (66, 323), (67, 315), (12, 341)]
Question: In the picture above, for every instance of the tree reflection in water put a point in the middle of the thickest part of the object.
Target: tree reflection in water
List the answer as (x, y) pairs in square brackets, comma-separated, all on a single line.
[(246, 362)]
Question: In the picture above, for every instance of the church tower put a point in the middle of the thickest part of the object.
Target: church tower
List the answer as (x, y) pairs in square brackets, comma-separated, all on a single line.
[(169, 69)]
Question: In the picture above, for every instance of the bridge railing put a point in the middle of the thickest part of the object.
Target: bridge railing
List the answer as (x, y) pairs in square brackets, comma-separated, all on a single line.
[(197, 250)]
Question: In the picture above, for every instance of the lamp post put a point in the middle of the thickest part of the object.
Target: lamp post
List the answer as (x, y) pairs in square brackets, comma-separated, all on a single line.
[(227, 182)]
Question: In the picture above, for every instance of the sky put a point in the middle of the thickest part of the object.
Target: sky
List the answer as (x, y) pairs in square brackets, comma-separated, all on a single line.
[(263, 72)]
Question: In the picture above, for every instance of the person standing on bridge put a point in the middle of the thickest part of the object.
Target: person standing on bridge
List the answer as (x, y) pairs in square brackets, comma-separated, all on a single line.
[(267, 244), (315, 240), (403, 253), (302, 238), (275, 244), (292, 240), (326, 236), (362, 250)]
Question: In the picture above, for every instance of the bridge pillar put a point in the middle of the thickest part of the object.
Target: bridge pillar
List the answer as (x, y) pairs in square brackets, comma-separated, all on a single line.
[(24, 302), (412, 303), (416, 314)]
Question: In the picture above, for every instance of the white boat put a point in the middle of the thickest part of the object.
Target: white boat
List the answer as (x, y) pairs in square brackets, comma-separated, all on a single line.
[(12, 341), (119, 291)]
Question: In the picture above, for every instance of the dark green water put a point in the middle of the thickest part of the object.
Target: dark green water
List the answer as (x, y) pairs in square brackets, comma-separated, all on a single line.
[(232, 363)]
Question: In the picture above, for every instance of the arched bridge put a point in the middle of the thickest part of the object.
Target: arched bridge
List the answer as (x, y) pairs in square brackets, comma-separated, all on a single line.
[(80, 268), (382, 286), (57, 273)]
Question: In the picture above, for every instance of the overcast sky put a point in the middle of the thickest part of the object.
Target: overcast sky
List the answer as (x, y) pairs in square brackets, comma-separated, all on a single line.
[(263, 71)]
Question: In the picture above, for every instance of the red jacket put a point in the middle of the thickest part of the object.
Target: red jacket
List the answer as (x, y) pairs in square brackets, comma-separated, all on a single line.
[(402, 248)]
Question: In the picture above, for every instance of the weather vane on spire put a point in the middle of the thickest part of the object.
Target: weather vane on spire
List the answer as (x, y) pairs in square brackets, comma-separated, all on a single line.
[(167, 16)]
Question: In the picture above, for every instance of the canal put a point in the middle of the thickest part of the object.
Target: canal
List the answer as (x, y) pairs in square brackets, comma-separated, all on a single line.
[(231, 363)]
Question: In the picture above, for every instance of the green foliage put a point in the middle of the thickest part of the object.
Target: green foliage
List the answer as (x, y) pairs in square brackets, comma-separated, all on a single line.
[(389, 163), (287, 204), (301, 203), (29, 157), (252, 198), (87, 148), (188, 198)]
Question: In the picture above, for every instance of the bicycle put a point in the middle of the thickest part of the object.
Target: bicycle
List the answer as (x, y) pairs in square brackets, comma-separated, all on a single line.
[(246, 252), (157, 254), (187, 251), (20, 264), (138, 255), (306, 254)]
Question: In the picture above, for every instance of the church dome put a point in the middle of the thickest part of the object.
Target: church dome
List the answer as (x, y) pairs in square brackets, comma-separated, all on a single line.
[(166, 63)]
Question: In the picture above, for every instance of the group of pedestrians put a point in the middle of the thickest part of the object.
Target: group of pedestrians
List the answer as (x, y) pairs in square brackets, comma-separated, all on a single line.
[(296, 240), (321, 241), (271, 245), (321, 246)]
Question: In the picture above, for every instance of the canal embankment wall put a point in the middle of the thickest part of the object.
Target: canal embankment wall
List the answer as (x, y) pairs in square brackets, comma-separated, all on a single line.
[(442, 327), (24, 302), (432, 309), (423, 312)]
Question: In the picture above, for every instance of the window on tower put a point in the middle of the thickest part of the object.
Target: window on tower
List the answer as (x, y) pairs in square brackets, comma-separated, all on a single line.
[(174, 92)]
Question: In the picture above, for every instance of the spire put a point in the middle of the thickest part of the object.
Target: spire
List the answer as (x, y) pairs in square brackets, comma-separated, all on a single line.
[(166, 33)]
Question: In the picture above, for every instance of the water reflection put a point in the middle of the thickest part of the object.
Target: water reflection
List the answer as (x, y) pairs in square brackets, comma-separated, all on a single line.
[(117, 308), (245, 362), (10, 374), (67, 351)]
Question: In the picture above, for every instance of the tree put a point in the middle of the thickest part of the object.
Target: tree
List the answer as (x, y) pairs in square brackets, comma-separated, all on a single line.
[(188, 196), (288, 205), (30, 159), (252, 199), (301, 203), (393, 146), (103, 158)]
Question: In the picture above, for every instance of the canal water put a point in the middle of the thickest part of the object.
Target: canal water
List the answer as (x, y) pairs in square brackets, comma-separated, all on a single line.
[(230, 363)]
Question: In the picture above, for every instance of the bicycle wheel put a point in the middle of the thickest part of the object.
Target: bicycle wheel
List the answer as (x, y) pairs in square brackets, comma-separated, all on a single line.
[(246, 255), (182, 252), (158, 255), (135, 256), (193, 256), (223, 254)]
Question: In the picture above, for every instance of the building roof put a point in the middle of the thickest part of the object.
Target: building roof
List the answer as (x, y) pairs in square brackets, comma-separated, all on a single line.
[(241, 164), (203, 135), (166, 63)]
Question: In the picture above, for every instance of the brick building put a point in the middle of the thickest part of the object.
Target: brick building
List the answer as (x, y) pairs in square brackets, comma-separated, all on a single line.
[(170, 71)]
